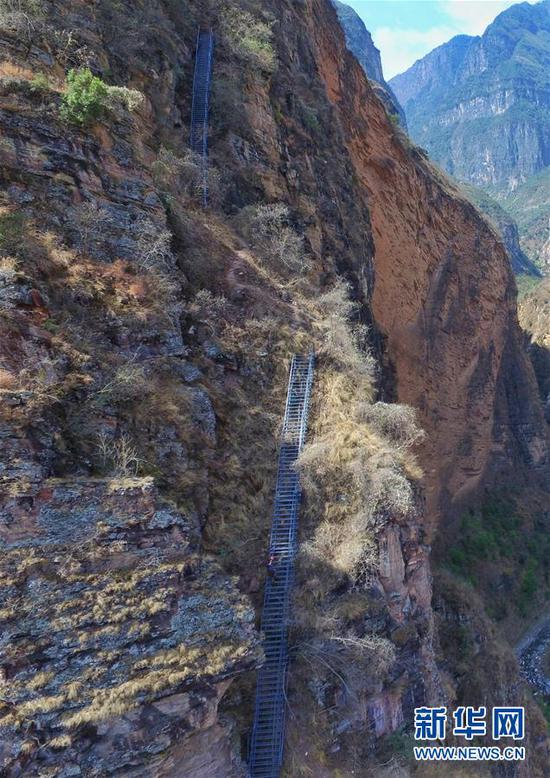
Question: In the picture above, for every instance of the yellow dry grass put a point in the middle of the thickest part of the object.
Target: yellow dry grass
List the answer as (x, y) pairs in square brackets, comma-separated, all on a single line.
[(353, 474)]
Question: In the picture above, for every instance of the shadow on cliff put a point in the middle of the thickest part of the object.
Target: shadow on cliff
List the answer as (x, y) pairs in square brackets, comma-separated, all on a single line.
[(540, 357)]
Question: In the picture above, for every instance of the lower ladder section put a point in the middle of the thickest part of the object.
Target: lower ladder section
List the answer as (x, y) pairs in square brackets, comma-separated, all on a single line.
[(267, 743)]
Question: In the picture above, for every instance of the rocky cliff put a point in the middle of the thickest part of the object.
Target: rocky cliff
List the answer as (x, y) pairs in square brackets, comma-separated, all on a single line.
[(534, 312), (506, 227), (407, 257), (359, 42), (144, 350), (480, 106)]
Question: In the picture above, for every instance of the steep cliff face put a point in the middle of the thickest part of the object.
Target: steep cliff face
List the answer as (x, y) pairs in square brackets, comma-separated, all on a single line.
[(508, 229), (534, 311), (480, 106), (119, 635), (530, 205), (144, 352), (444, 299), (359, 42)]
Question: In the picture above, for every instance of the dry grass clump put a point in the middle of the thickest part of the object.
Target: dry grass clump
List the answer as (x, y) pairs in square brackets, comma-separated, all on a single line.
[(114, 609), (355, 473), (63, 741), (39, 680), (342, 340), (356, 468), (170, 669)]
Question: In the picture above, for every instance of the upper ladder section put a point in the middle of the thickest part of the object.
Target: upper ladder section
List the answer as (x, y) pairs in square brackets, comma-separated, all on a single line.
[(267, 742), (198, 139)]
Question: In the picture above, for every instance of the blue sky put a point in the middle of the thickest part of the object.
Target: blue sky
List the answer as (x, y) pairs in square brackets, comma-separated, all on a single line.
[(405, 30)]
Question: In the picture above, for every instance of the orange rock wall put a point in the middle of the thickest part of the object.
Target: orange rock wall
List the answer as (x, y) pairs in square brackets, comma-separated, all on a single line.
[(444, 296)]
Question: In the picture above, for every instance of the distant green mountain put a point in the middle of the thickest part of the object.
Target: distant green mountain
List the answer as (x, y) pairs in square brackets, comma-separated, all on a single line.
[(530, 206), (359, 42), (507, 227), (480, 106)]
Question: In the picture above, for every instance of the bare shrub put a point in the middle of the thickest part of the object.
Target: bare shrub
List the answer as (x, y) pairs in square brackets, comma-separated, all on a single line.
[(70, 52), (351, 659), (120, 97), (118, 456), (268, 229), (43, 378), (370, 647), (185, 175), (88, 220), (129, 382), (390, 492), (355, 472), (23, 16), (153, 245), (169, 170), (208, 306), (153, 254)]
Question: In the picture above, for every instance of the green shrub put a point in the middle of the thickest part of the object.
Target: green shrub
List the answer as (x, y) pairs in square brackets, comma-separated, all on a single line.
[(495, 532), (40, 83), (88, 98), (545, 707), (310, 119), (85, 98), (228, 104)]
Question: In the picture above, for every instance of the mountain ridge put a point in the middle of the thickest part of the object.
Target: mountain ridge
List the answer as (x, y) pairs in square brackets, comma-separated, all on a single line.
[(480, 105), (359, 42)]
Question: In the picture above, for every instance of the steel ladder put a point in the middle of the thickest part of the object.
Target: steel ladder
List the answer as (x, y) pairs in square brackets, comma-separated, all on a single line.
[(267, 741)]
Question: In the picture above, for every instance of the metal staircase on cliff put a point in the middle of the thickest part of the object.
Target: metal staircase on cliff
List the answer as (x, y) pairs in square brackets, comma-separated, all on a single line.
[(267, 741), (198, 139)]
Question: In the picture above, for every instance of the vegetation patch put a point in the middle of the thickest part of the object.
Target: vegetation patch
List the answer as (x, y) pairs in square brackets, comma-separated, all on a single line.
[(87, 98), (518, 548), (249, 35)]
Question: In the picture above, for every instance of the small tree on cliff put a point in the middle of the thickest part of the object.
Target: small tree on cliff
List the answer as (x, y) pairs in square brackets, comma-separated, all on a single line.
[(88, 98), (85, 98)]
